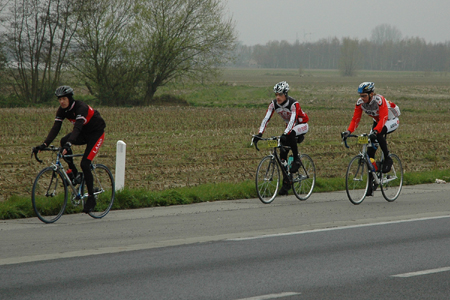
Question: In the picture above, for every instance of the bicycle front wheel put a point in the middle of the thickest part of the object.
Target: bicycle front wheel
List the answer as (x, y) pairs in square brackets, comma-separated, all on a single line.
[(392, 182), (357, 180), (267, 179), (303, 182), (104, 190), (49, 195)]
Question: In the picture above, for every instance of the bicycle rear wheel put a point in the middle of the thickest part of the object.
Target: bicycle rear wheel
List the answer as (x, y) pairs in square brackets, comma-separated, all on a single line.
[(392, 182), (49, 195), (267, 179), (104, 190), (357, 180), (304, 180)]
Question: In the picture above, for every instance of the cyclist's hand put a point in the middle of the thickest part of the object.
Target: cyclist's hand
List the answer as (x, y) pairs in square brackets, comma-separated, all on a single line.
[(373, 135), (39, 148), (345, 134), (66, 148), (256, 138), (283, 139)]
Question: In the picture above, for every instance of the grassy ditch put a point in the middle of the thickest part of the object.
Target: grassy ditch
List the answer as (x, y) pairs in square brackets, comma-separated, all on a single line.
[(20, 206)]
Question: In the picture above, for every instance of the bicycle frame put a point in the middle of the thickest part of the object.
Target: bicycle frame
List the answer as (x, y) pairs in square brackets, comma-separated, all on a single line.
[(391, 181), (365, 156), (284, 168), (53, 182), (77, 193)]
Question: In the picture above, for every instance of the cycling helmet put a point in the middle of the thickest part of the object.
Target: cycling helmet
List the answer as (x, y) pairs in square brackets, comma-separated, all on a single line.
[(64, 91), (281, 88), (366, 87)]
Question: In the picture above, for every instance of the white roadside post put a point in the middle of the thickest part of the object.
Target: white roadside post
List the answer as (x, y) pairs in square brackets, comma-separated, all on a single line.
[(120, 165)]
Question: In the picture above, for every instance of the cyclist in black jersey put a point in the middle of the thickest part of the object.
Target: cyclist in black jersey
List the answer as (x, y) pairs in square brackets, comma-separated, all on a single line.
[(88, 129)]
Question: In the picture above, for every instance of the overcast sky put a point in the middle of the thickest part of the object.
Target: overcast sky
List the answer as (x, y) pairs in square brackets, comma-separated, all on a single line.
[(261, 21)]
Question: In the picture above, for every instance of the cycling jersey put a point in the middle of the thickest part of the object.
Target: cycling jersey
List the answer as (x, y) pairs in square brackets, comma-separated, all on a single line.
[(380, 109), (85, 119), (290, 111)]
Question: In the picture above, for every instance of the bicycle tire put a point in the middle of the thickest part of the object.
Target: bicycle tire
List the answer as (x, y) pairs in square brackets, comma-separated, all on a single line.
[(104, 190), (49, 195), (357, 180), (304, 180), (267, 179), (392, 182)]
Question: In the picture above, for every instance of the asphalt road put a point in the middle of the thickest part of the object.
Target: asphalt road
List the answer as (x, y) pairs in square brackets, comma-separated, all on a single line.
[(324, 248)]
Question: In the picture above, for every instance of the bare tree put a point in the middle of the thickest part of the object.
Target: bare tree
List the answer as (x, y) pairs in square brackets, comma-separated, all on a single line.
[(385, 33), (106, 49), (38, 36), (350, 56), (182, 38)]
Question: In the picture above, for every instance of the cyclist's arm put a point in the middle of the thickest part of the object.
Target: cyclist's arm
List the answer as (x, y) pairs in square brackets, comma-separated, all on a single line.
[(55, 129), (302, 117), (292, 122), (356, 118), (265, 121)]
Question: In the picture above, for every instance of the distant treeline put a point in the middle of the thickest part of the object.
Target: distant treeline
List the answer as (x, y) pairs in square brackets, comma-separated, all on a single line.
[(409, 54)]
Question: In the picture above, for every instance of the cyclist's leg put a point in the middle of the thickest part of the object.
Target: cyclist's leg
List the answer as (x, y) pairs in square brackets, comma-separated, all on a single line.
[(94, 142), (69, 160), (300, 131), (389, 127)]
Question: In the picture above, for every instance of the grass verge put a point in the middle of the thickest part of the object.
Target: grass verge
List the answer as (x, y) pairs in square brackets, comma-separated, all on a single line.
[(20, 207)]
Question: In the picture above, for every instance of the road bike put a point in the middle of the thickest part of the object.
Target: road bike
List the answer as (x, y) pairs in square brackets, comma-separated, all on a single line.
[(357, 175), (53, 187), (268, 173)]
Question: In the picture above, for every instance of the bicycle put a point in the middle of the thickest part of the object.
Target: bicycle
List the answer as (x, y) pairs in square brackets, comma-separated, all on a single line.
[(268, 173), (357, 175), (52, 186)]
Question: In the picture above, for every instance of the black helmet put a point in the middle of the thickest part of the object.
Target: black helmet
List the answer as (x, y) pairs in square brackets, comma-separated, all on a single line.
[(64, 91)]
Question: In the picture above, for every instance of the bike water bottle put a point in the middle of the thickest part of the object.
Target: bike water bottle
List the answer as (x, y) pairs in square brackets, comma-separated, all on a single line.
[(374, 163), (290, 160), (70, 174)]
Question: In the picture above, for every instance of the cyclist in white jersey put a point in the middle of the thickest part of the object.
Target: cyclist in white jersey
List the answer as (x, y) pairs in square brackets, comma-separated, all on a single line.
[(296, 126)]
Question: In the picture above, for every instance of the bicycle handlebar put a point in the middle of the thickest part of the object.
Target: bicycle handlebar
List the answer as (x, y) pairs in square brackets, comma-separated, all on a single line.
[(344, 139), (263, 139), (35, 152)]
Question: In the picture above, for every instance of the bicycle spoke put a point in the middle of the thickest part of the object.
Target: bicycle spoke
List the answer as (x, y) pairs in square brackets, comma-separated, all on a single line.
[(267, 179), (104, 190), (49, 195), (304, 180), (357, 180), (392, 182)]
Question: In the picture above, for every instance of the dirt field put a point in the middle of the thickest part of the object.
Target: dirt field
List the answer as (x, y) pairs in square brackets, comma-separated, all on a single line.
[(184, 146)]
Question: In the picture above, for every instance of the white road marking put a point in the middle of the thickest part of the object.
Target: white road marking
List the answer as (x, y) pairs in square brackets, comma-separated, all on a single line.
[(424, 272), (271, 296), (335, 228)]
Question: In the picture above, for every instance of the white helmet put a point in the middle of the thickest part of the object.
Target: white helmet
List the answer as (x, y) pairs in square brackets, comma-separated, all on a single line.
[(281, 88)]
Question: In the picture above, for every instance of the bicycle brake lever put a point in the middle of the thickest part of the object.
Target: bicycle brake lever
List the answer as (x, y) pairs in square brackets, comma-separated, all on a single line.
[(36, 157)]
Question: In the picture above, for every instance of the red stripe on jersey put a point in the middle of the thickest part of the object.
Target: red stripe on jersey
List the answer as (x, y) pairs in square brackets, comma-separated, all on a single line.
[(89, 115)]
